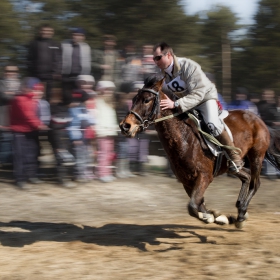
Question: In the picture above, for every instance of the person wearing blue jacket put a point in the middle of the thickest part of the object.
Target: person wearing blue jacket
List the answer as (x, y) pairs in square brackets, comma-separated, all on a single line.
[(81, 120)]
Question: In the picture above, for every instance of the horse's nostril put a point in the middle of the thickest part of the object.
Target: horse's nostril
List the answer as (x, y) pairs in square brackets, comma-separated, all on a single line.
[(125, 126)]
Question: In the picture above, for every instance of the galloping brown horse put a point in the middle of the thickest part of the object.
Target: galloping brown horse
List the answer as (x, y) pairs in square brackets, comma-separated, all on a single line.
[(191, 160)]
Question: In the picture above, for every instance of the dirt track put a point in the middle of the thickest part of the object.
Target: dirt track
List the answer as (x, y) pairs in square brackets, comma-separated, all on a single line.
[(135, 229)]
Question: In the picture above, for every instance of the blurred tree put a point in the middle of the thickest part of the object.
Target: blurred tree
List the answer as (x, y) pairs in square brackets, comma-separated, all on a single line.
[(143, 21), (264, 53), (11, 35), (242, 64), (216, 39)]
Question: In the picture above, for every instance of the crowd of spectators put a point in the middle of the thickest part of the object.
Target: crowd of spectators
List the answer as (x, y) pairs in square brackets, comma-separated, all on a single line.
[(76, 96)]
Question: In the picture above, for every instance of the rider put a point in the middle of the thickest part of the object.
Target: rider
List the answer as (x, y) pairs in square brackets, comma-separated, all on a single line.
[(187, 81)]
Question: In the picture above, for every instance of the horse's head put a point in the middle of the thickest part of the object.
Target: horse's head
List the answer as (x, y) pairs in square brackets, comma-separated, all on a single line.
[(145, 108)]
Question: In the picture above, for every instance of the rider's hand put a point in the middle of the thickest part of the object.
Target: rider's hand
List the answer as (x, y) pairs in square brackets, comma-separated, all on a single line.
[(167, 103)]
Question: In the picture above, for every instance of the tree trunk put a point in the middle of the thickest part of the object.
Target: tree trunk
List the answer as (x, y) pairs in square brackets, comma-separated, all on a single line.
[(226, 64)]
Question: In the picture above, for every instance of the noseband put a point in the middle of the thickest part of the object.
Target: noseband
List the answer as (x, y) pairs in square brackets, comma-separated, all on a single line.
[(147, 122)]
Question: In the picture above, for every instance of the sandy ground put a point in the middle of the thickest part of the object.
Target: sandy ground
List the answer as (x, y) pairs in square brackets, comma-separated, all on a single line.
[(135, 229)]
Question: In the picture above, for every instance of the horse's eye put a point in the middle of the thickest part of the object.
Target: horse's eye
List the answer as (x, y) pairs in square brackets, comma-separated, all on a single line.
[(147, 100)]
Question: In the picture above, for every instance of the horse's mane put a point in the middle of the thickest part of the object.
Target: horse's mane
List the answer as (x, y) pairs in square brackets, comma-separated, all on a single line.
[(151, 80)]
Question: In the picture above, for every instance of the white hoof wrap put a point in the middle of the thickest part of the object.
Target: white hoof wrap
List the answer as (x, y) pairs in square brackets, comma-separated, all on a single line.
[(222, 220), (206, 217)]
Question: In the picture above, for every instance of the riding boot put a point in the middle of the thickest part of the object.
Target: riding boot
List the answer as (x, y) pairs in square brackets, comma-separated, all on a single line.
[(236, 163)]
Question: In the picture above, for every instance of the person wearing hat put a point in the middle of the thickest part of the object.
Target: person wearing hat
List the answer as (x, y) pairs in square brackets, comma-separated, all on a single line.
[(106, 129), (25, 124), (76, 60)]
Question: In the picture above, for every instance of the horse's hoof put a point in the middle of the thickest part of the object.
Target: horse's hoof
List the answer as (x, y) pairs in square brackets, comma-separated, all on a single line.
[(222, 220), (206, 217), (239, 225)]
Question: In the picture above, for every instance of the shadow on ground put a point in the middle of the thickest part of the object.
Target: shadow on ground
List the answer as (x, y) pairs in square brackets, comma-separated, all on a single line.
[(21, 233)]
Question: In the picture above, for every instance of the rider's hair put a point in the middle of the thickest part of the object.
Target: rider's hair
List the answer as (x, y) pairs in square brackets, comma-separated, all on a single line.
[(164, 48)]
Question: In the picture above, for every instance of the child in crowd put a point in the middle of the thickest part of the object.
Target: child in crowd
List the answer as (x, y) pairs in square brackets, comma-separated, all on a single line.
[(43, 106), (59, 139), (90, 133), (43, 113), (25, 125), (81, 121), (106, 129)]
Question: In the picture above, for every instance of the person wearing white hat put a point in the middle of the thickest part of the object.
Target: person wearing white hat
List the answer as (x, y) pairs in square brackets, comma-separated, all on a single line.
[(106, 129)]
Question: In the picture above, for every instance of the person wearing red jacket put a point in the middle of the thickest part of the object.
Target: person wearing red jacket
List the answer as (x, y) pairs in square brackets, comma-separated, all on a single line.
[(25, 124)]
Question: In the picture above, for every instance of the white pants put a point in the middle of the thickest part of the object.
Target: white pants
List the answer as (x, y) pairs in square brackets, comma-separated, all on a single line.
[(210, 113)]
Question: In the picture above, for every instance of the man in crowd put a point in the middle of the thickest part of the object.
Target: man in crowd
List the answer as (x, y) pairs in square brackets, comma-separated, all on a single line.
[(76, 60), (44, 59)]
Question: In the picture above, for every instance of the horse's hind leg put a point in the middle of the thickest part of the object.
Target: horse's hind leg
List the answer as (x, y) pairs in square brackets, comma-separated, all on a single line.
[(245, 197), (245, 177)]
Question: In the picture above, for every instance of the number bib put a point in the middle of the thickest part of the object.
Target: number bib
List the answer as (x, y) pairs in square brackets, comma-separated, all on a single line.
[(176, 85)]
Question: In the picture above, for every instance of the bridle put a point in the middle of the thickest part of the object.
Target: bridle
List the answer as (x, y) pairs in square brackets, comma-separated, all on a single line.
[(152, 116), (155, 110)]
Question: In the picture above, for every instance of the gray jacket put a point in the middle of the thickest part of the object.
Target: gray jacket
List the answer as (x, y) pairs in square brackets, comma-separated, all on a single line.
[(85, 55), (189, 83)]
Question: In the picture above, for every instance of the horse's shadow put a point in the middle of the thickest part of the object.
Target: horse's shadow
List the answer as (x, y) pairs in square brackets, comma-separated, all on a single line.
[(21, 233)]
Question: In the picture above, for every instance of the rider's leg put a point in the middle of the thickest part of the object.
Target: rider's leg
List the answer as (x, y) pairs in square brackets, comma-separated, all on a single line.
[(209, 112), (236, 162)]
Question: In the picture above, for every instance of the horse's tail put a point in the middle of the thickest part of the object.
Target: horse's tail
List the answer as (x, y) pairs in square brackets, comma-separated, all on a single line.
[(273, 152)]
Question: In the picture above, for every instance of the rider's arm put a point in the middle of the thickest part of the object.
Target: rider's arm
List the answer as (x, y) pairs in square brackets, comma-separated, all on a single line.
[(199, 87)]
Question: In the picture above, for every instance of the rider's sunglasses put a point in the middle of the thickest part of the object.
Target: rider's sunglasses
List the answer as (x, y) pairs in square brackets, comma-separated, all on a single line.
[(158, 57)]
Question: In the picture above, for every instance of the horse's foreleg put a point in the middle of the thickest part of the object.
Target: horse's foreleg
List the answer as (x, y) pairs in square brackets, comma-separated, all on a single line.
[(198, 210), (196, 206)]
